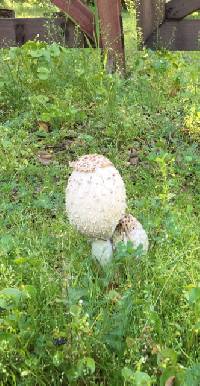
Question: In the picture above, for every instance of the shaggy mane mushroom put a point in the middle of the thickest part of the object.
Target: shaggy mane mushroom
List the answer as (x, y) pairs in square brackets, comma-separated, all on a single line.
[(95, 200)]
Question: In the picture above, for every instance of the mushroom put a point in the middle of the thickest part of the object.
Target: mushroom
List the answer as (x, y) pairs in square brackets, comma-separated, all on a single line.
[(130, 229), (102, 251), (95, 198)]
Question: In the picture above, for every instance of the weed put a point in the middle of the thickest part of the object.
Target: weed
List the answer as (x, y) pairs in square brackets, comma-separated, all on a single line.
[(63, 320)]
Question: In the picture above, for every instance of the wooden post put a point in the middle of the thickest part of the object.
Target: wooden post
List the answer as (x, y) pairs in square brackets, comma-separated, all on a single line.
[(80, 14), (110, 23), (111, 34), (150, 14)]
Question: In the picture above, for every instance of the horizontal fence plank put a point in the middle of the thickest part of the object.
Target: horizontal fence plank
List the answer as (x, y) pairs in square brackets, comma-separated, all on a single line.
[(7, 33), (17, 31), (176, 35), (178, 9)]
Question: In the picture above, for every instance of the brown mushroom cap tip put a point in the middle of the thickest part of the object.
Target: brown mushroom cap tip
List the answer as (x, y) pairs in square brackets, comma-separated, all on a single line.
[(90, 162), (127, 223)]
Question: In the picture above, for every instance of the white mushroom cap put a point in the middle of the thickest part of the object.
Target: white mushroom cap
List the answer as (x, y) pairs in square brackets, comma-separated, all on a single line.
[(130, 229), (102, 251), (95, 196)]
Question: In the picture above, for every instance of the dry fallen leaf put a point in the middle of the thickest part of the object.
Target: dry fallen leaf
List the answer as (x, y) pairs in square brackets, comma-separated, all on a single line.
[(133, 152), (170, 381), (155, 350), (133, 157), (43, 126), (133, 161), (14, 193), (44, 157), (174, 91), (38, 189), (62, 146)]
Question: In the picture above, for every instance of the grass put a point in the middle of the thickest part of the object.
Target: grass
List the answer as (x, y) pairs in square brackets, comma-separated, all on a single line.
[(30, 8), (64, 320)]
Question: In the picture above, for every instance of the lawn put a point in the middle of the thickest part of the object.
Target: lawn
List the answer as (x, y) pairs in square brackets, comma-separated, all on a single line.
[(63, 319)]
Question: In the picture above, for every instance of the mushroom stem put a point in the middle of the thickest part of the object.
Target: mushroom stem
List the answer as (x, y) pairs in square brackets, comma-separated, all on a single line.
[(102, 251)]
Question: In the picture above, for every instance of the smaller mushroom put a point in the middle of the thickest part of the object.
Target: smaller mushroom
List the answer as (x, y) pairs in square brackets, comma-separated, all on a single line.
[(130, 229), (102, 251)]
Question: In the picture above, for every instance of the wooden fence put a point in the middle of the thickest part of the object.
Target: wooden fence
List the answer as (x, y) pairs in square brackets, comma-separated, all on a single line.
[(60, 29), (164, 25), (18, 31)]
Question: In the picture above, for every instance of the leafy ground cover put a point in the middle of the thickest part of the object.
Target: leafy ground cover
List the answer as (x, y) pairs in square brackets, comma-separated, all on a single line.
[(64, 320), (29, 8)]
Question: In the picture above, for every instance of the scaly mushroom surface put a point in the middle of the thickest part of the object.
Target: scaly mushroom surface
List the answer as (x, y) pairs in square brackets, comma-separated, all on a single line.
[(95, 196)]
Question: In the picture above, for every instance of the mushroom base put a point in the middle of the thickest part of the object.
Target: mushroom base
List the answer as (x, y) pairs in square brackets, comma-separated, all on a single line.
[(102, 251)]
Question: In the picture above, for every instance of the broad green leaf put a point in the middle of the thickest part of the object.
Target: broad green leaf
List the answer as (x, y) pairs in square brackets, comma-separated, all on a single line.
[(86, 137), (43, 73), (12, 292), (3, 304), (194, 295), (141, 379), (171, 371), (30, 291), (90, 364), (167, 356), (6, 243), (75, 294), (75, 310), (36, 53), (192, 376), (137, 378), (128, 374)]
